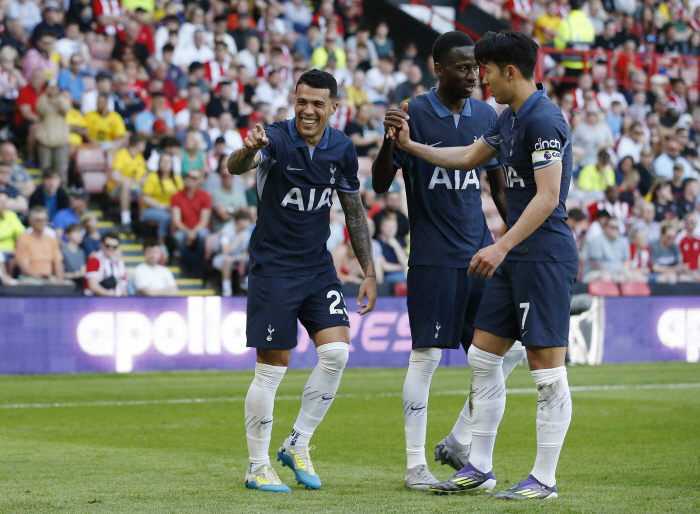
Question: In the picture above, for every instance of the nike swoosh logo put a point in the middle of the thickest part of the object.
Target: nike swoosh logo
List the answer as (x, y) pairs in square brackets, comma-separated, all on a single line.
[(289, 167), (525, 333), (417, 408), (326, 398), (434, 144), (265, 422)]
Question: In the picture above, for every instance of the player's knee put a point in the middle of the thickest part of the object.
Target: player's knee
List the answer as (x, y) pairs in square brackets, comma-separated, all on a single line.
[(479, 359), (429, 356), (332, 357)]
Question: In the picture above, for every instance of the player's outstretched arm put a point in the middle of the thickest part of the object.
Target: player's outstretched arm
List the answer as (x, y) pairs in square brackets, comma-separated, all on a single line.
[(247, 157), (455, 158), (383, 169), (361, 243), (548, 181), (497, 181)]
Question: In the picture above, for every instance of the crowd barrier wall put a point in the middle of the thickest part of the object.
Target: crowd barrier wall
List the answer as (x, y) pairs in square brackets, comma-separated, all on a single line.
[(68, 335)]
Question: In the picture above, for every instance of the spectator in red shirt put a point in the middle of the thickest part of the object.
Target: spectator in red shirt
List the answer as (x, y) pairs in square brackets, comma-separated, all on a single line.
[(690, 245), (145, 36), (191, 212), (26, 118), (639, 253), (106, 272), (110, 17)]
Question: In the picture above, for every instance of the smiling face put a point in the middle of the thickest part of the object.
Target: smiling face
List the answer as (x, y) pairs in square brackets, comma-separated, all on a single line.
[(312, 108), (459, 72)]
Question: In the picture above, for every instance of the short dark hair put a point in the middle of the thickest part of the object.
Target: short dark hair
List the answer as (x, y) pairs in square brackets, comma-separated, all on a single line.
[(73, 227), (170, 141), (49, 173), (195, 66), (577, 214), (508, 47), (102, 76), (136, 138), (242, 214), (687, 181), (168, 48), (150, 242), (157, 94), (602, 213), (446, 42), (110, 235), (319, 79), (575, 4)]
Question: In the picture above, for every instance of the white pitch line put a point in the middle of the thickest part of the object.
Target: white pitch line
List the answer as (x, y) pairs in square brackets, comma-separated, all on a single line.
[(232, 399)]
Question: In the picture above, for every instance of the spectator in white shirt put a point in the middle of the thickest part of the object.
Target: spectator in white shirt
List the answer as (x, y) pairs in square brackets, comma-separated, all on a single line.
[(195, 52), (27, 11), (610, 94), (379, 81), (150, 277), (632, 144), (233, 248), (250, 56), (225, 129), (72, 44), (89, 101), (272, 92), (297, 15)]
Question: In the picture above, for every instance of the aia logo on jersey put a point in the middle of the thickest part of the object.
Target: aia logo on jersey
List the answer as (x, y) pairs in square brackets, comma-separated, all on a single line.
[(442, 177), (552, 144), (312, 202), (552, 155)]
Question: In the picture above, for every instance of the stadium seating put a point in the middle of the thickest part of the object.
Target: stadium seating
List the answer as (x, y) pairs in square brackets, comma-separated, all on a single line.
[(91, 165), (635, 289), (600, 288)]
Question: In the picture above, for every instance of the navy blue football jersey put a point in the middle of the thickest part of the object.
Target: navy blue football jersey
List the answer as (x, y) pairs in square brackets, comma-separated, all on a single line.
[(295, 186), (535, 138), (448, 225)]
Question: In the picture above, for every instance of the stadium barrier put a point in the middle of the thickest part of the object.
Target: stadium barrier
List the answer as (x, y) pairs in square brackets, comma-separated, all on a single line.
[(66, 335)]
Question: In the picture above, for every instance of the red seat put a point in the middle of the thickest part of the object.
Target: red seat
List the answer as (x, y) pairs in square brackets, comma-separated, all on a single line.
[(211, 244), (400, 289), (365, 166), (635, 289), (101, 48), (600, 288), (91, 164)]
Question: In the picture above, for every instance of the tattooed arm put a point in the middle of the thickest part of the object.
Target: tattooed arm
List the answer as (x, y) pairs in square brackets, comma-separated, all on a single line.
[(247, 157), (362, 246)]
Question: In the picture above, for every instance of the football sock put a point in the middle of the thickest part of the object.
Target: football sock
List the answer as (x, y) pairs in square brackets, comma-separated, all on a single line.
[(319, 392), (488, 399), (462, 431), (421, 365), (126, 217), (553, 419), (512, 358), (226, 287), (259, 403)]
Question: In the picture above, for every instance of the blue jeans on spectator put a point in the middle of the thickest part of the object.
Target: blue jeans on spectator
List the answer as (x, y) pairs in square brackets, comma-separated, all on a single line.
[(395, 276), (162, 216), (192, 256)]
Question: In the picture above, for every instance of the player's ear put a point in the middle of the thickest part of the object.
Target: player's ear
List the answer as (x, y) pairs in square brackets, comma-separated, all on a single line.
[(438, 69), (334, 107)]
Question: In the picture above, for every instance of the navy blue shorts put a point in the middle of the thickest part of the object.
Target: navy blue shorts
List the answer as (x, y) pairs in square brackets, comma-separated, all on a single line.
[(275, 304), (530, 302), (442, 306)]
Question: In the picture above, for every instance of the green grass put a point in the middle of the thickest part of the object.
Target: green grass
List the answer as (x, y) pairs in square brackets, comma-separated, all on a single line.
[(628, 450)]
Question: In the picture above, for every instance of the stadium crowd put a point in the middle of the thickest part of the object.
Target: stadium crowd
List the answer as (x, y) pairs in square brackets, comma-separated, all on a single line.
[(165, 91)]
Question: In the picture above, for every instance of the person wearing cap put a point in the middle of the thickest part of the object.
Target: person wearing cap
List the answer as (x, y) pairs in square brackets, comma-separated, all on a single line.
[(590, 137), (25, 10), (53, 133), (71, 214), (51, 21)]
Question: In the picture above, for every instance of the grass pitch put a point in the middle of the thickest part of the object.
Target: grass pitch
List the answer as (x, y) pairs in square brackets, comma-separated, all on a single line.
[(129, 443)]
